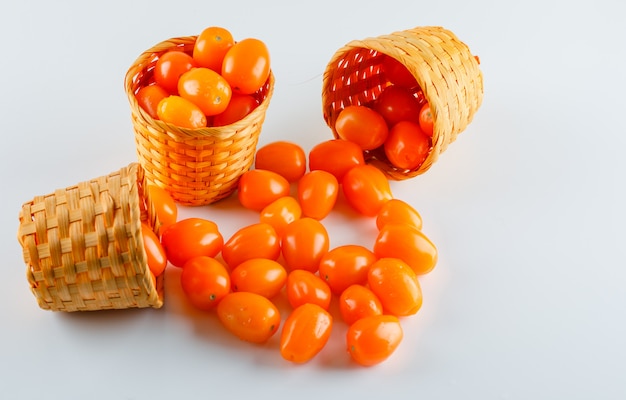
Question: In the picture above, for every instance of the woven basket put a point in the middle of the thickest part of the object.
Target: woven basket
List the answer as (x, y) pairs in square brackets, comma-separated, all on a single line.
[(196, 166), (443, 66), (83, 246)]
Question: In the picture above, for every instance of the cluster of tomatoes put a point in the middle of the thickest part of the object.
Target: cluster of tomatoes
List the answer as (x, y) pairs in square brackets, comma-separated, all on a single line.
[(287, 253), (399, 121), (214, 85)]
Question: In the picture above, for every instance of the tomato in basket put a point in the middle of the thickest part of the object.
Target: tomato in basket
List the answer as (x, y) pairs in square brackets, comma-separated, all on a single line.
[(407, 145), (211, 46), (206, 89), (170, 66), (246, 66)]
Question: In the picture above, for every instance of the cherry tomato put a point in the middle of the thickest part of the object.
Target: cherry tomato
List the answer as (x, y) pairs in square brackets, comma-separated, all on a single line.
[(260, 276), (189, 238), (280, 213), (249, 316), (305, 287), (205, 282), (317, 193), (211, 46), (397, 73), (252, 241), (396, 285), (363, 126), (149, 97), (397, 104), (335, 156), (246, 66), (181, 112), (397, 211), (305, 333), (156, 258), (304, 242), (409, 244), (206, 89), (345, 265), (356, 302), (407, 145), (170, 66), (238, 107), (164, 205), (285, 158), (366, 189), (372, 340), (426, 120), (258, 188)]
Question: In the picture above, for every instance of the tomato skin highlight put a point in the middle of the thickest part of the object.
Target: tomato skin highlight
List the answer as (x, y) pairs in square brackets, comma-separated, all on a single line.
[(181, 112), (156, 258), (259, 275), (372, 340), (280, 213), (249, 316), (189, 238), (317, 193), (149, 97), (358, 301), (211, 46), (258, 188), (397, 104), (169, 67), (366, 189), (206, 89), (258, 240), (398, 212), (396, 286), (408, 244), (345, 265), (246, 66), (304, 287), (336, 156), (407, 146), (239, 106), (284, 158), (303, 243), (205, 282), (426, 120), (305, 333), (164, 205), (362, 125)]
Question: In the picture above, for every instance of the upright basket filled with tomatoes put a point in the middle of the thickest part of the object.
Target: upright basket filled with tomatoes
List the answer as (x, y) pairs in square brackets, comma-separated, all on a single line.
[(198, 104), (403, 97)]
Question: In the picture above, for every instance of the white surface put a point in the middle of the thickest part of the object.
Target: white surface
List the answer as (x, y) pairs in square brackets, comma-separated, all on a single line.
[(526, 207)]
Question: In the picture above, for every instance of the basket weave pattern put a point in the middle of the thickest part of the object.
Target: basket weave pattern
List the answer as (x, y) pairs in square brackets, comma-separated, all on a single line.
[(196, 166), (443, 66), (83, 246)]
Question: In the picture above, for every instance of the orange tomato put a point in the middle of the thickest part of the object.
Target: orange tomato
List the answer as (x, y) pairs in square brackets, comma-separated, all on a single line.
[(170, 66), (396, 211), (362, 125), (164, 205), (396, 285), (397, 104), (259, 275), (305, 333), (156, 258), (258, 188), (407, 145), (249, 316), (397, 73), (304, 242), (345, 265), (189, 238), (317, 193), (206, 89), (285, 158), (149, 97), (336, 156), (211, 46), (408, 244), (280, 213), (205, 282), (426, 120), (246, 66), (239, 106), (305, 287), (356, 302), (366, 189), (372, 340), (253, 241), (181, 112)]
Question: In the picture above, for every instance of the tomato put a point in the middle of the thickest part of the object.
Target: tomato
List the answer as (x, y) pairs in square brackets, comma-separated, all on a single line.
[(356, 302), (252, 241), (366, 189), (155, 255), (149, 97), (189, 238), (397, 73), (169, 67), (281, 213), (426, 120), (345, 265), (397, 104), (305, 333), (285, 158), (363, 126), (259, 275), (246, 66), (206, 89), (409, 244), (317, 193), (372, 340), (304, 242), (335, 156), (205, 282), (397, 211), (407, 145), (249, 316), (258, 188), (181, 112), (396, 285), (164, 205), (305, 287), (238, 107), (211, 46)]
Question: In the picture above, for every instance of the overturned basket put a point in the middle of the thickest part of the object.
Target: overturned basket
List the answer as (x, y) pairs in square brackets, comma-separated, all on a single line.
[(196, 166), (83, 246), (446, 71)]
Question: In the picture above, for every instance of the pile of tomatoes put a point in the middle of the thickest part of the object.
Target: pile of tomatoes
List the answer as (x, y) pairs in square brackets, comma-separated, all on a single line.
[(214, 85)]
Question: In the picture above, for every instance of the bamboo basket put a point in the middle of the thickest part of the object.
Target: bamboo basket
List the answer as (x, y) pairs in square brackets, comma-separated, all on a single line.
[(83, 246), (196, 166), (443, 66)]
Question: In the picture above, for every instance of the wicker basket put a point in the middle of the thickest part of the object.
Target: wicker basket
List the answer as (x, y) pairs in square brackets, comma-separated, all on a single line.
[(443, 66), (196, 166), (83, 246)]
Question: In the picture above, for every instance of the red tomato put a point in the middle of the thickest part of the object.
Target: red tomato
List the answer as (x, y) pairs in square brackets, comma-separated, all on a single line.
[(156, 258), (169, 67), (317, 193), (356, 302), (258, 188), (363, 126), (164, 205), (335, 156), (304, 242), (149, 97), (304, 287), (281, 213), (397, 73), (397, 211), (408, 244), (211, 46), (181, 112), (345, 265), (205, 282), (249, 316), (239, 107), (305, 333), (285, 158), (426, 120), (366, 189), (260, 276), (397, 104), (206, 89), (252, 241), (396, 285), (189, 238), (246, 66), (372, 340), (407, 145)]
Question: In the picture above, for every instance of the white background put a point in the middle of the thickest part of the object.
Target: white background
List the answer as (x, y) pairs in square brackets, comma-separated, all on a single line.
[(526, 207)]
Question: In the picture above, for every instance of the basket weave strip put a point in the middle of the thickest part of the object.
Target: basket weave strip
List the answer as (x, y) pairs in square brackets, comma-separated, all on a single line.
[(197, 166), (443, 66), (83, 248)]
